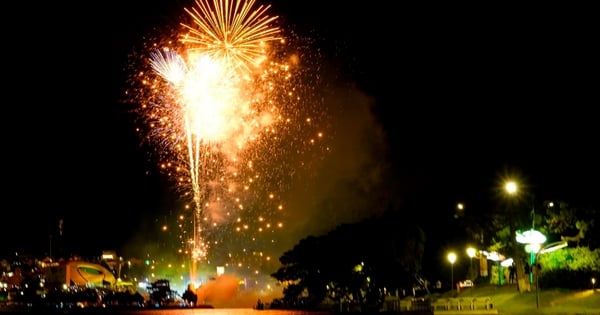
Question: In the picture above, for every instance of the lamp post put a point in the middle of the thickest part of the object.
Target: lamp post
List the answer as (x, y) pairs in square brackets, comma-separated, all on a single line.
[(452, 259), (512, 188), (471, 252)]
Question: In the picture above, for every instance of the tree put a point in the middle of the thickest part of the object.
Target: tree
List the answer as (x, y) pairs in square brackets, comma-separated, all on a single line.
[(556, 220), (505, 220), (348, 263), (570, 223)]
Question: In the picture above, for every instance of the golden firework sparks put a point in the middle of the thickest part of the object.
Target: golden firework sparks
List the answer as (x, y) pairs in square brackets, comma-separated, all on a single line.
[(232, 31), (214, 105), (221, 104)]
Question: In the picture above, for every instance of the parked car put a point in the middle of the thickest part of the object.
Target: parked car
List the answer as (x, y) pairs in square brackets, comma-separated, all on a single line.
[(465, 284)]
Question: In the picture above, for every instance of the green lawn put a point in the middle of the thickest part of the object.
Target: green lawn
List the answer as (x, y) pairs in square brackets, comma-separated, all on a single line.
[(508, 301)]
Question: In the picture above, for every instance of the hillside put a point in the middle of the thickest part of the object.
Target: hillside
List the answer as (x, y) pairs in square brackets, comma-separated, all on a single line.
[(509, 301)]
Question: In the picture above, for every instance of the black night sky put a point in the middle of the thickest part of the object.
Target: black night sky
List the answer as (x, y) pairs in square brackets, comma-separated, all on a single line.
[(433, 104)]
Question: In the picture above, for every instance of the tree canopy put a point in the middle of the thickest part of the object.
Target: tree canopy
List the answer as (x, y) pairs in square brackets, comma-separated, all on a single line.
[(359, 262)]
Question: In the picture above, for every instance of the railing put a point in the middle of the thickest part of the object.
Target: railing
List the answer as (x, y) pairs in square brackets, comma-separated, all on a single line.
[(408, 304), (464, 305)]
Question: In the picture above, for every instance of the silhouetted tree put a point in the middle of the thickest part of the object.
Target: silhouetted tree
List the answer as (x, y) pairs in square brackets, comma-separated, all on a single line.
[(571, 224), (360, 262)]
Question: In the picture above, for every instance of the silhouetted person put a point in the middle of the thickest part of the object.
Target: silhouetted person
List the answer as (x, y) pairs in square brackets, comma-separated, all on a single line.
[(511, 273), (189, 296), (260, 305), (537, 269)]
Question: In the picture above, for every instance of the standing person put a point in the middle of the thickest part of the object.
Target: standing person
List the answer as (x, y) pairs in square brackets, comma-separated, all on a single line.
[(536, 273), (260, 305), (511, 273), (189, 296), (527, 280)]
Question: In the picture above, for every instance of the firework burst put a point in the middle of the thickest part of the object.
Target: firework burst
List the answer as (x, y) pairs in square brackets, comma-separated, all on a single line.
[(220, 106), (208, 106), (232, 31)]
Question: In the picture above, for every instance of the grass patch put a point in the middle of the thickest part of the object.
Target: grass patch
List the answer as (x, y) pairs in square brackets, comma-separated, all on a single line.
[(509, 301)]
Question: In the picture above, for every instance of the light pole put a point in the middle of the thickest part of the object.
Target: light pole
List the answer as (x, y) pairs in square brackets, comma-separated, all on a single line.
[(452, 259), (512, 188), (471, 252)]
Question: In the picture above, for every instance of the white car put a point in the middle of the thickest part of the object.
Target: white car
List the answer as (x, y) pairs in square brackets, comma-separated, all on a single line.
[(465, 284)]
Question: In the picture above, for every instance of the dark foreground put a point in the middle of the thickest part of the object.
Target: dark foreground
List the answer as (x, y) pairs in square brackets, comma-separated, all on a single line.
[(507, 300), (155, 311)]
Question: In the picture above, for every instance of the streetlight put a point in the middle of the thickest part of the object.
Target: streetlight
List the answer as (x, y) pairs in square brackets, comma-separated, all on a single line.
[(593, 284), (535, 240), (511, 187), (452, 259), (471, 252)]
